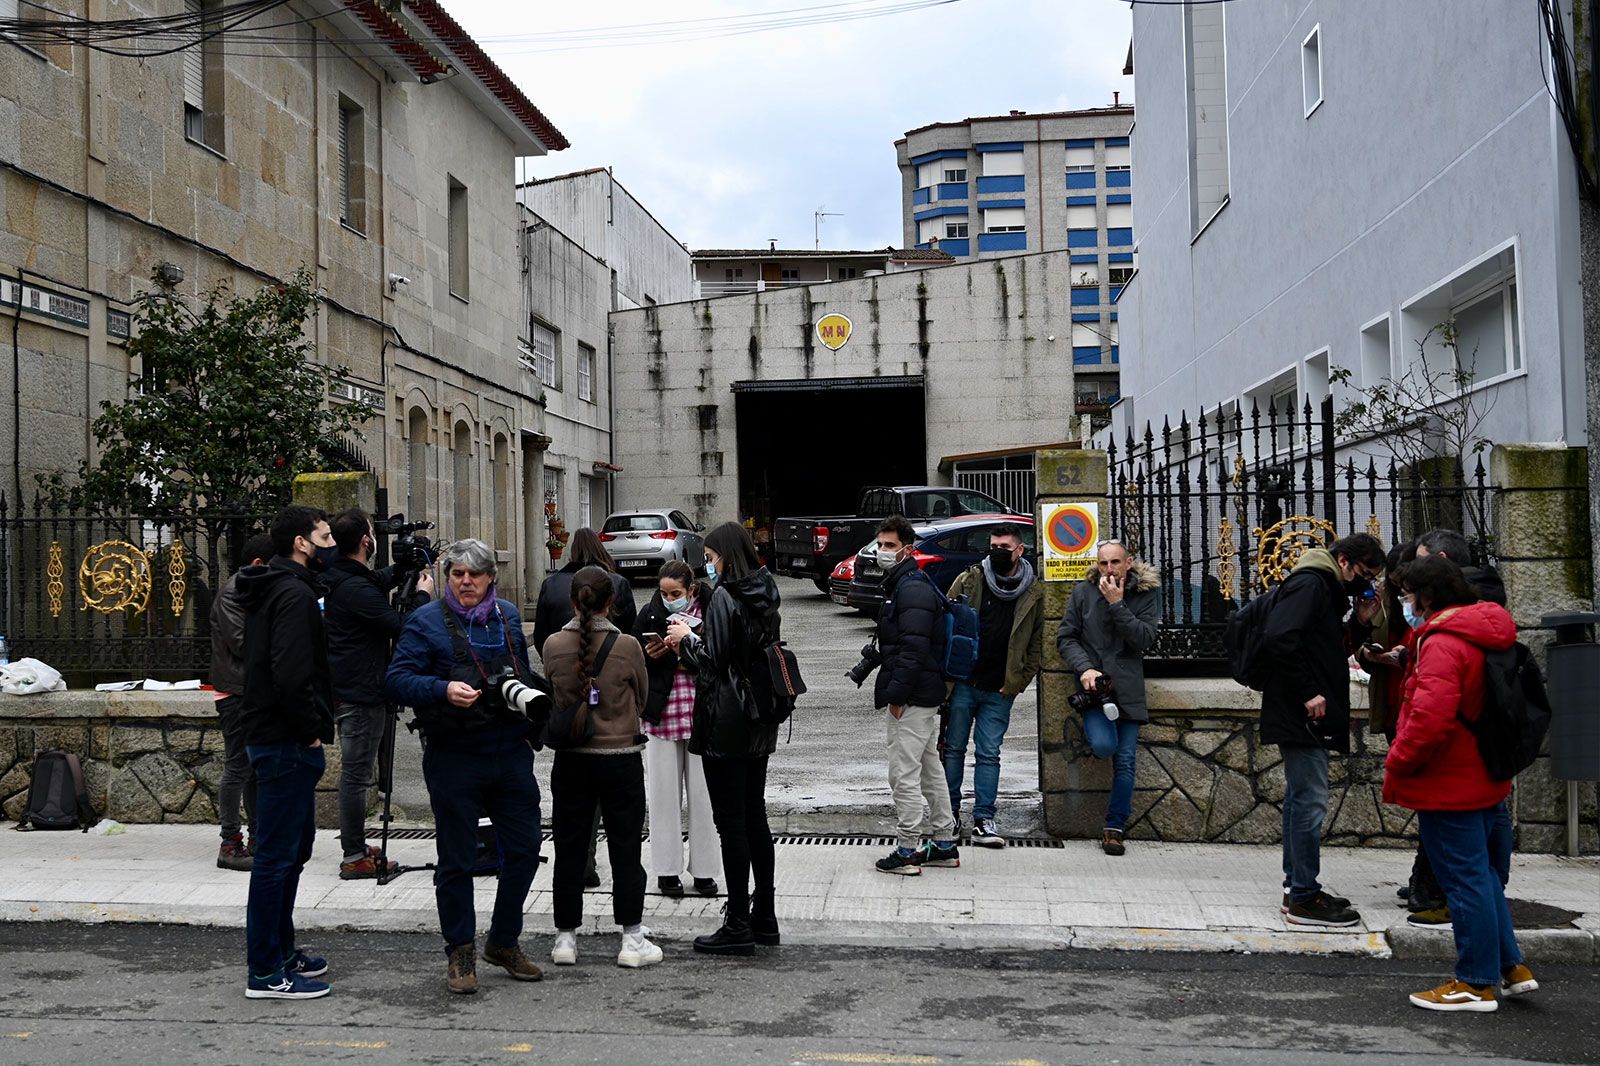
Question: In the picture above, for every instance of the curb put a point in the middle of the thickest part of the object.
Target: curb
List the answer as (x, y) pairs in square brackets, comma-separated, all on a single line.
[(1554, 946)]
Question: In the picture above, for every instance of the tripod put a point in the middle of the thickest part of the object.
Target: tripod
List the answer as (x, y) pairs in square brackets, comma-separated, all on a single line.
[(403, 597)]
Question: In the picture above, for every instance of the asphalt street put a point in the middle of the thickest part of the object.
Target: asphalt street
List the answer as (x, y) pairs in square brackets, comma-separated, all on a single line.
[(829, 773), (71, 994)]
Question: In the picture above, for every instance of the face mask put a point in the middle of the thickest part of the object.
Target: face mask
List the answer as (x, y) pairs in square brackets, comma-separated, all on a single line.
[(322, 558), (1000, 560), (887, 557), (676, 606), (711, 572), (1413, 619)]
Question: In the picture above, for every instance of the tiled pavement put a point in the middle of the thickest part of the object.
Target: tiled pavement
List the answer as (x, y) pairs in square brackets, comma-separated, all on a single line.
[(1157, 897)]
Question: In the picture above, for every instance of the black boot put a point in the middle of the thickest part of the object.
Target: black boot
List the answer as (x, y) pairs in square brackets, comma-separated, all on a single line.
[(734, 938), (764, 921)]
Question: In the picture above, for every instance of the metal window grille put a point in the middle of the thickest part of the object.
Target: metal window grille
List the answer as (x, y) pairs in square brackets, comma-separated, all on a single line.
[(345, 122)]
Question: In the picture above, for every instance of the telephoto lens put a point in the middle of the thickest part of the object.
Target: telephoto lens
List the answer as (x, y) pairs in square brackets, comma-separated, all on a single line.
[(525, 698)]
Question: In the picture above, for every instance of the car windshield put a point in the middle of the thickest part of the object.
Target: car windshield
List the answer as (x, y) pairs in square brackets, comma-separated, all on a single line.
[(627, 523)]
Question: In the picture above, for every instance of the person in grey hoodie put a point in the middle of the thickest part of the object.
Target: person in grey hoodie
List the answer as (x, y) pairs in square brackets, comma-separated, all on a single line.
[(1110, 623)]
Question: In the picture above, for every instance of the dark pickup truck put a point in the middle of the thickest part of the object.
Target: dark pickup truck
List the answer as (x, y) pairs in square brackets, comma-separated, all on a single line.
[(812, 547)]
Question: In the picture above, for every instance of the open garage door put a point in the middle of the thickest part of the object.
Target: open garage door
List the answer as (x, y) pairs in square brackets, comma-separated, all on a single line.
[(809, 446)]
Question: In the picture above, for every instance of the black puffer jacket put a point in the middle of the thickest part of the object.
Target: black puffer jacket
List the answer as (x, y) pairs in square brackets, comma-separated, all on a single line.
[(1307, 646), (554, 608), (362, 628), (288, 694), (653, 619), (911, 640), (741, 617)]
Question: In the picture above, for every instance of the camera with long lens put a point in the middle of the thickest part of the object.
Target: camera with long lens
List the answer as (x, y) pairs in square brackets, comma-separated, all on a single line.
[(410, 552), (871, 659), (1102, 697), (507, 692)]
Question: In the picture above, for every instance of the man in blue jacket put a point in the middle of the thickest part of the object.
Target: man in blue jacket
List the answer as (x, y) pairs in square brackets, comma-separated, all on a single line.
[(911, 685)]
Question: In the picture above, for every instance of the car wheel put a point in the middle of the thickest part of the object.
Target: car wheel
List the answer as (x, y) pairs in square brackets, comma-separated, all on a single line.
[(821, 583)]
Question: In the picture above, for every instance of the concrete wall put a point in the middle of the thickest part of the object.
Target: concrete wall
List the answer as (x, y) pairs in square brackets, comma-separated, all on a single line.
[(978, 332), (1336, 219)]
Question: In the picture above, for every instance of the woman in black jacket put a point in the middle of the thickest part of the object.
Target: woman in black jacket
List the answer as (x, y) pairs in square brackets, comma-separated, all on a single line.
[(554, 609), (741, 618)]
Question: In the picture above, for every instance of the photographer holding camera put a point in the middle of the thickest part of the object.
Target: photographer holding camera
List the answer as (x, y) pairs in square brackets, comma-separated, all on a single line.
[(477, 754), (362, 626), (1109, 625)]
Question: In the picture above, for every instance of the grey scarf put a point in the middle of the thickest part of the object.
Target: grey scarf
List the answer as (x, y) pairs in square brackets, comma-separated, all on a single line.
[(1023, 578)]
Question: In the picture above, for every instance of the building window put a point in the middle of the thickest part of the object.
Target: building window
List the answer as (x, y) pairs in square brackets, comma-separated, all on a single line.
[(1004, 219), (1311, 70), (352, 166), (956, 175), (542, 340), (457, 239), (846, 273), (1086, 275), (955, 229), (790, 274), (585, 502), (465, 471), (1205, 84), (1377, 358), (1080, 159), (1467, 330), (997, 164), (202, 78), (1082, 216), (1119, 157), (1085, 335), (1119, 276), (733, 274), (585, 373)]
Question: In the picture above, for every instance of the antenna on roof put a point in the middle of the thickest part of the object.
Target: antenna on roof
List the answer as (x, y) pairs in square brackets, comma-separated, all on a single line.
[(816, 224)]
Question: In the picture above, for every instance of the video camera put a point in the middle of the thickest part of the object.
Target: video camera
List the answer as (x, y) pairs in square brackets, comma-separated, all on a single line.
[(410, 552)]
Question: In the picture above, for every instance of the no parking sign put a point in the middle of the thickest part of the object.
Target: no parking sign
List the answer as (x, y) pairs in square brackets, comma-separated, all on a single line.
[(1070, 532)]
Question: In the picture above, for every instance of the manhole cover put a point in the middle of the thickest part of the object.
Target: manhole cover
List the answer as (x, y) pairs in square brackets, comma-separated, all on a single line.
[(1526, 914)]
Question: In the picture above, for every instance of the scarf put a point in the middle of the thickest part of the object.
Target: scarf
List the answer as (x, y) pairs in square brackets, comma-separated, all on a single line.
[(1008, 588), (479, 615)]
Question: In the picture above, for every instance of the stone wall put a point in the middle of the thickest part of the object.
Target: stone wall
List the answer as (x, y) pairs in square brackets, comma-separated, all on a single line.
[(147, 757)]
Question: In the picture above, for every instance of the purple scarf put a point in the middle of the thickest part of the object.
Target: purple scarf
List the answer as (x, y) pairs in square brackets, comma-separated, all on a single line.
[(478, 615)]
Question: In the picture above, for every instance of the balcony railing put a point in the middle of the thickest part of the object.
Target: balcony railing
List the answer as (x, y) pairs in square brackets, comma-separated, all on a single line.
[(735, 288)]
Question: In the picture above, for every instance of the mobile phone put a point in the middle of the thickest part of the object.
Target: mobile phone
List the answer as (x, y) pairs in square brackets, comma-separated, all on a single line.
[(652, 636), (1375, 649)]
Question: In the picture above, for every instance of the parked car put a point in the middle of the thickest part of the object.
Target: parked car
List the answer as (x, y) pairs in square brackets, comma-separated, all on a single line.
[(942, 549), (640, 541), (839, 582), (813, 547)]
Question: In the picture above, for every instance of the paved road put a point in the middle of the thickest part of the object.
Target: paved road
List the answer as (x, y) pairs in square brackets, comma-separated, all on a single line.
[(831, 775), (121, 993)]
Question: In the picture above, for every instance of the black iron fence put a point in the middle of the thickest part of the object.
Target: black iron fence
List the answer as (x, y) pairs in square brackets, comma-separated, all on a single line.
[(114, 597), (1224, 505)]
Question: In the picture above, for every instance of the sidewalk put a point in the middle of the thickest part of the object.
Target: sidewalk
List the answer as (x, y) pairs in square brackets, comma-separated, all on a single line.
[(1174, 897)]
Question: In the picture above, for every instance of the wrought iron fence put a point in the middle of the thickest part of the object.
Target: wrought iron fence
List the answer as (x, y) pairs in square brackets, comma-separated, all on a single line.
[(114, 597), (1224, 505)]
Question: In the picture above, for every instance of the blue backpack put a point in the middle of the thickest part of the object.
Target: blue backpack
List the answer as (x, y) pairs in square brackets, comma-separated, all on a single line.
[(960, 635)]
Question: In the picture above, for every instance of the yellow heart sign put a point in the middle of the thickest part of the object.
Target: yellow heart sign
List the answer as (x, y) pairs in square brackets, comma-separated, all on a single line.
[(833, 330)]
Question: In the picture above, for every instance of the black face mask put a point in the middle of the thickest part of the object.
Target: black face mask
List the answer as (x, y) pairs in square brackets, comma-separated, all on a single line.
[(1358, 585), (322, 558), (1000, 560)]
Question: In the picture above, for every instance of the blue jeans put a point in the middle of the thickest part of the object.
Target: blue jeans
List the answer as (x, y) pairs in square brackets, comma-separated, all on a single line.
[(985, 716), (285, 828), (465, 782), (1465, 848), (1305, 808), (1119, 742)]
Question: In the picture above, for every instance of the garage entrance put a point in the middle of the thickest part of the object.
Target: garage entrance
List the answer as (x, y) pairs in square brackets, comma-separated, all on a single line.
[(809, 446)]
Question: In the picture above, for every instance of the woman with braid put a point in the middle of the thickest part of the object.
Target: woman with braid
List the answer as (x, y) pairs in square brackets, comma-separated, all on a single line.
[(595, 666)]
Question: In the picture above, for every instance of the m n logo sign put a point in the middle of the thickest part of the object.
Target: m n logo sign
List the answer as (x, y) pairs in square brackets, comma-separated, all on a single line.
[(833, 331)]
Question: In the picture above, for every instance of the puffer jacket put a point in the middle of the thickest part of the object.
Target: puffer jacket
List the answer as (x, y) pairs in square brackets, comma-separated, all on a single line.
[(1027, 623), (1113, 637), (741, 617), (1433, 764), (622, 682), (911, 640)]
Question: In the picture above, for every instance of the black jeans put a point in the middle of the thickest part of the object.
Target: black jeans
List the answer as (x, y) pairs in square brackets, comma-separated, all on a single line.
[(738, 789), (465, 782), (579, 783), (238, 779), (360, 733)]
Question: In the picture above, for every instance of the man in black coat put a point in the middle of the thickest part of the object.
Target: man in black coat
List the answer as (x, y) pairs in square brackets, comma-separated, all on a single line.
[(1305, 708), (288, 716), (911, 685), (362, 627)]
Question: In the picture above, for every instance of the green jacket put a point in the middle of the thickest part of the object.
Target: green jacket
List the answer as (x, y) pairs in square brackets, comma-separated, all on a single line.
[(1027, 626)]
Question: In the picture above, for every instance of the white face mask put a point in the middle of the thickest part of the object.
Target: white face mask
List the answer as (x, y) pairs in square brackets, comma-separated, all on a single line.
[(888, 557)]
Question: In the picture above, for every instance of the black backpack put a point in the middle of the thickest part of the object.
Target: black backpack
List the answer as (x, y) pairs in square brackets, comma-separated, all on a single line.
[(1243, 639), (1516, 712), (775, 683), (58, 798)]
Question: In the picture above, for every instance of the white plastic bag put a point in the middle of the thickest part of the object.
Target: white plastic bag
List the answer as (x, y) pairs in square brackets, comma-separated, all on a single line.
[(27, 676)]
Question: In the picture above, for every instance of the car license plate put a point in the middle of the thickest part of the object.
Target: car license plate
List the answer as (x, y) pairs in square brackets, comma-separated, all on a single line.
[(840, 598), (632, 562)]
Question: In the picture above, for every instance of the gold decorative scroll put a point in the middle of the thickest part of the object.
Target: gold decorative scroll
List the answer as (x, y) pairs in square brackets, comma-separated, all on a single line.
[(176, 569), (115, 576), (1227, 552), (1280, 546), (1133, 518), (56, 571)]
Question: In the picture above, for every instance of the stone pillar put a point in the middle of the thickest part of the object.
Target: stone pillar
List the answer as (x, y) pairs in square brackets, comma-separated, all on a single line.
[(336, 492), (1075, 791), (1542, 534)]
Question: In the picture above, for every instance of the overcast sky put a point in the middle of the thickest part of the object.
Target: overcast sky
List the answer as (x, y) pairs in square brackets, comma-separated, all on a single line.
[(733, 141)]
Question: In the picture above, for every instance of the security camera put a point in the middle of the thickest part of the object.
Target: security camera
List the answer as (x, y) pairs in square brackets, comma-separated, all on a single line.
[(397, 280)]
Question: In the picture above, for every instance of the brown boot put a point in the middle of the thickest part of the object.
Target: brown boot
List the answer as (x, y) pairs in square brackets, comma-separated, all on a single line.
[(515, 962), (1111, 842), (463, 971), (233, 855)]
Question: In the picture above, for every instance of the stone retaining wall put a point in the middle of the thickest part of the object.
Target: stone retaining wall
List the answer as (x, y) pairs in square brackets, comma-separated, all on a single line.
[(147, 757)]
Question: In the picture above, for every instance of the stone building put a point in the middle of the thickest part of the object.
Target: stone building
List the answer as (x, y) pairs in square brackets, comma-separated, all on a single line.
[(373, 143)]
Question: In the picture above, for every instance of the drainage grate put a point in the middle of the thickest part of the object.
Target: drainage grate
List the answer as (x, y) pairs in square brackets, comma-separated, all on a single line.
[(797, 839), (835, 841), (376, 833)]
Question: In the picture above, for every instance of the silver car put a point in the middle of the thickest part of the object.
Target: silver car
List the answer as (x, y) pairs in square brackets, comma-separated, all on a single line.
[(640, 541)]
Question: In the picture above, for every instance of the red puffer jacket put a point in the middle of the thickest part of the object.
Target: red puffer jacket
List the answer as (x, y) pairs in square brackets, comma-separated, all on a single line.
[(1433, 764)]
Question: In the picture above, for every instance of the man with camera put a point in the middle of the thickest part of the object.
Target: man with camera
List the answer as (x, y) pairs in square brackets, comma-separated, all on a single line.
[(362, 626), (911, 685), (450, 666), (1010, 606), (1110, 623)]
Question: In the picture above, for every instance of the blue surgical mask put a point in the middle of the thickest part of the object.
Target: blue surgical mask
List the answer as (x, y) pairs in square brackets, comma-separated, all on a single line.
[(676, 606), (711, 572), (1413, 619)]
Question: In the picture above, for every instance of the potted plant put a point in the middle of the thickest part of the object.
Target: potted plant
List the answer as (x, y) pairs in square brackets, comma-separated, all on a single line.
[(557, 540)]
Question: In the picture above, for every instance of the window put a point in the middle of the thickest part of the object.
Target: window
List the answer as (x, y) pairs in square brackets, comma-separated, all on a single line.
[(734, 274), (1377, 361), (1094, 390), (1205, 67), (682, 521), (956, 174), (1001, 163), (352, 166), (791, 274), (1316, 377), (417, 462), (1080, 160), (202, 78), (456, 238), (974, 503), (634, 523), (955, 229), (1468, 324), (1274, 397), (1119, 216), (463, 487), (1119, 157), (1119, 276), (585, 374), (542, 340), (1086, 275), (1004, 220), (1311, 70), (929, 173), (1086, 335), (845, 273), (501, 508), (586, 502), (1082, 216)]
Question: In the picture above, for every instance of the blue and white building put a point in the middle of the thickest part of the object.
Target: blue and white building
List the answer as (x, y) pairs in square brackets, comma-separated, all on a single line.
[(1006, 185)]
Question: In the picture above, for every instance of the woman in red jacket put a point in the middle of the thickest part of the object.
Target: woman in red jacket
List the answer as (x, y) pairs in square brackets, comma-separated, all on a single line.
[(1434, 768)]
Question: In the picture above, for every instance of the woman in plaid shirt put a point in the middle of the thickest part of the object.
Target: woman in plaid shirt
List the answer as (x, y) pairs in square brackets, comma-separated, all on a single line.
[(670, 770)]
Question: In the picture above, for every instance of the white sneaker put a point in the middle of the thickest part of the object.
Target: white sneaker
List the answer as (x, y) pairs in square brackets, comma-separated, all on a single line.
[(565, 953), (637, 951), (985, 835)]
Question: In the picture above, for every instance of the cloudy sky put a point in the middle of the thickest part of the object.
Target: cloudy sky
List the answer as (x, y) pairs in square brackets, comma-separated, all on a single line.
[(733, 140)]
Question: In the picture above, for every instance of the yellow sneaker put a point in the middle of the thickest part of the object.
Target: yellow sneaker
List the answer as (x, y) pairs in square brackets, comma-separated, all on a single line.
[(1518, 981), (1456, 995)]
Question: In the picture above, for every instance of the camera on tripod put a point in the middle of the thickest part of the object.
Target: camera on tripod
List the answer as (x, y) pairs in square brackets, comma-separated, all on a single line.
[(871, 659), (1102, 697), (410, 552)]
